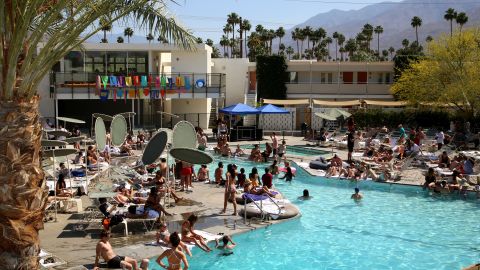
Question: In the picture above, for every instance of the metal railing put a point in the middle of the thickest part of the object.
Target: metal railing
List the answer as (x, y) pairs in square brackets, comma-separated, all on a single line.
[(200, 84), (263, 214)]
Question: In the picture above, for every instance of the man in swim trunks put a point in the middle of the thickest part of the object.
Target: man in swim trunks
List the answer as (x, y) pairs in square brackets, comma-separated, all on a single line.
[(227, 249), (357, 196), (105, 250)]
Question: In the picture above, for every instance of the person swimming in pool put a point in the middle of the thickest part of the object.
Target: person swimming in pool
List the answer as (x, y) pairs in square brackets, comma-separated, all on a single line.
[(227, 249), (306, 195), (357, 196)]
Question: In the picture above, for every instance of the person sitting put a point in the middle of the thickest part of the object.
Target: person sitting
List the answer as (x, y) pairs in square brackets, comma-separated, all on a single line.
[(268, 151), (239, 151), (348, 172), (226, 151), (63, 170), (79, 158), (256, 155), (454, 183), (336, 165), (241, 177), (227, 249), (202, 141), (250, 189), (105, 153), (468, 165), (444, 160), (305, 196), (124, 196), (274, 168), (203, 173), (189, 235), (267, 179), (412, 148), (357, 196), (104, 249), (164, 235), (153, 202), (126, 147), (430, 179), (254, 177), (61, 187), (219, 174), (163, 190), (140, 140)]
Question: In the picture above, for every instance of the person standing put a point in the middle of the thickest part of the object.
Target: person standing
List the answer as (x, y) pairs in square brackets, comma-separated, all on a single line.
[(282, 150), (401, 130), (440, 137), (230, 189), (175, 255), (350, 144), (274, 144)]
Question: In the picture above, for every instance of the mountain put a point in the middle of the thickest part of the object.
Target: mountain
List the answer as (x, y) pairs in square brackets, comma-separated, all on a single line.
[(395, 18)]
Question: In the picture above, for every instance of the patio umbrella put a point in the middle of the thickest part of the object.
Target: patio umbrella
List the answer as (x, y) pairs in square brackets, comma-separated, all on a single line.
[(339, 112), (70, 120), (326, 116), (239, 109)]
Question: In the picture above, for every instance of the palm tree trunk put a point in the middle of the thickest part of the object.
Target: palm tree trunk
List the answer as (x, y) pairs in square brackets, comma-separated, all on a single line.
[(104, 35), (279, 43), (416, 34), (336, 45), (298, 49), (378, 44), (451, 28), (22, 189), (246, 52)]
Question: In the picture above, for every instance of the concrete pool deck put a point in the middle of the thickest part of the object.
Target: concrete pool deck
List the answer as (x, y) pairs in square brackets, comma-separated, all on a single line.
[(77, 247)]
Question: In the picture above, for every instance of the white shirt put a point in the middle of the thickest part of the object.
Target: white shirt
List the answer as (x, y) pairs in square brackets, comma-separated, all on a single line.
[(440, 137)]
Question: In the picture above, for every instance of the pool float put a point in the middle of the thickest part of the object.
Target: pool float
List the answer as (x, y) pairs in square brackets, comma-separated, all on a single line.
[(319, 164), (284, 169)]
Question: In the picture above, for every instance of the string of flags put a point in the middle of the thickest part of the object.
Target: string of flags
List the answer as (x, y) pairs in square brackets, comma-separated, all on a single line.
[(143, 87)]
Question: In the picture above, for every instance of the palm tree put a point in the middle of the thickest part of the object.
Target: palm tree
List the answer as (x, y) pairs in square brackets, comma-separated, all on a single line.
[(307, 32), (280, 33), (329, 41), (378, 30), (342, 51), (295, 37), (301, 37), (335, 36), (209, 42), (226, 30), (385, 54), (450, 15), (31, 53), (462, 19), (391, 50), (246, 26), (106, 26), (224, 44), (233, 19), (289, 51), (405, 43), (119, 39), (128, 32), (199, 40), (416, 22), (270, 36), (351, 47), (429, 39), (150, 38), (368, 33)]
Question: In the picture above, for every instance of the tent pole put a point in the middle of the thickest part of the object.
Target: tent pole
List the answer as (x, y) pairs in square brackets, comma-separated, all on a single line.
[(54, 184)]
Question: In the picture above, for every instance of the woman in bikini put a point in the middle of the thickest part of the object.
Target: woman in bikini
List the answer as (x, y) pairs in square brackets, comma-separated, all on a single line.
[(188, 235), (254, 178), (230, 189), (175, 256)]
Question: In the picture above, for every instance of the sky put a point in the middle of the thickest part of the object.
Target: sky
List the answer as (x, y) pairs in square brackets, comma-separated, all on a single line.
[(206, 18)]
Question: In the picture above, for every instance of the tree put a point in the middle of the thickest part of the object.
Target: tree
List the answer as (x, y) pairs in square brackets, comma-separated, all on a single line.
[(328, 41), (270, 36), (307, 33), (150, 38), (106, 26), (128, 32), (416, 22), (449, 74), (289, 51), (34, 36), (351, 47), (462, 19), (385, 54), (405, 43), (429, 38), (335, 36), (226, 30), (233, 19), (224, 43), (295, 37), (367, 31), (378, 30), (405, 56), (246, 26), (280, 33), (199, 40), (391, 50), (342, 51), (450, 15), (119, 39), (209, 42)]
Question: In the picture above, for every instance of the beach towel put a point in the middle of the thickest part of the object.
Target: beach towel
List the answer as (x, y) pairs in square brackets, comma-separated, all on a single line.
[(187, 83), (113, 81)]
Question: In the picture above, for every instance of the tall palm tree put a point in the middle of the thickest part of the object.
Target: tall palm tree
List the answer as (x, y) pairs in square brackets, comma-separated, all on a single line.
[(351, 47), (307, 32), (328, 41), (106, 26), (120, 40), (150, 37), (199, 40), (246, 26), (461, 19), (378, 30), (226, 30), (31, 43), (209, 42), (416, 22), (450, 15), (342, 51), (367, 31), (335, 36), (224, 44), (280, 33), (271, 35), (318, 35), (128, 32), (391, 50), (295, 37), (289, 51), (233, 19), (301, 37), (405, 43)]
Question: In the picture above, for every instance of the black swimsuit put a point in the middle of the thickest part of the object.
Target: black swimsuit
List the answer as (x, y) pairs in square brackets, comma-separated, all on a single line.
[(115, 262)]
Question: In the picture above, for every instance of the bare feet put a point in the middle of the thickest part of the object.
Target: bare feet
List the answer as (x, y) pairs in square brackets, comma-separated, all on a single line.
[(223, 212)]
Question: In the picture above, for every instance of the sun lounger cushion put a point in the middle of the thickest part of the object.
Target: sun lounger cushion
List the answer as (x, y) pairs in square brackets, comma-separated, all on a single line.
[(318, 165), (78, 173)]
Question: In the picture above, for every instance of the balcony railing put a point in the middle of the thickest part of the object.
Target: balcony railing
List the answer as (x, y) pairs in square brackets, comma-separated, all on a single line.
[(201, 84)]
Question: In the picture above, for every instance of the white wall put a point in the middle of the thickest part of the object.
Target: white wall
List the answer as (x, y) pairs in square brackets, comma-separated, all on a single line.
[(47, 103), (236, 71), (198, 61), (191, 107)]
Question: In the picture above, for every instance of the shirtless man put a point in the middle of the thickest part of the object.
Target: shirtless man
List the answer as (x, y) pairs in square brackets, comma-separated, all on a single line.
[(105, 250), (219, 174), (163, 167), (274, 144), (357, 196), (226, 151)]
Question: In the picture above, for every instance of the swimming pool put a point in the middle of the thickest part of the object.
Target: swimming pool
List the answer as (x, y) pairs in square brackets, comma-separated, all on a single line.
[(295, 150), (394, 227)]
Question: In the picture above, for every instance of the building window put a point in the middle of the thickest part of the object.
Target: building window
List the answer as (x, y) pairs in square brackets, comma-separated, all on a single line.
[(73, 62), (388, 78), (293, 77)]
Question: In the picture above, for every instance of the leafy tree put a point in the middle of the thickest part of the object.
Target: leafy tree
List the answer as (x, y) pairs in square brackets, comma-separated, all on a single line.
[(307, 33), (462, 19), (385, 54), (416, 22), (367, 31), (246, 26), (289, 51), (391, 50), (106, 26), (34, 36), (128, 32), (119, 39), (351, 47), (410, 53), (429, 38), (449, 74), (209, 42), (405, 43), (450, 15), (199, 40), (378, 30), (271, 77)]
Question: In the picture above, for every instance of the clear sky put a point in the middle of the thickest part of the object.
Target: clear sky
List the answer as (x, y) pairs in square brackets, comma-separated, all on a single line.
[(206, 18)]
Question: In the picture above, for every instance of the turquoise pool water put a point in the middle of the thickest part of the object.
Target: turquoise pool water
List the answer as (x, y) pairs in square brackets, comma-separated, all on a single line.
[(394, 227), (292, 150)]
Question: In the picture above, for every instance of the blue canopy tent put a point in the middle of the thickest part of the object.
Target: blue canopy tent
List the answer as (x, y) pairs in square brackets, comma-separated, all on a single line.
[(240, 109), (271, 109)]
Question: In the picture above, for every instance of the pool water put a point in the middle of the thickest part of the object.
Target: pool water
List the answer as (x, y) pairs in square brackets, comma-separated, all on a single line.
[(292, 150), (394, 227)]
